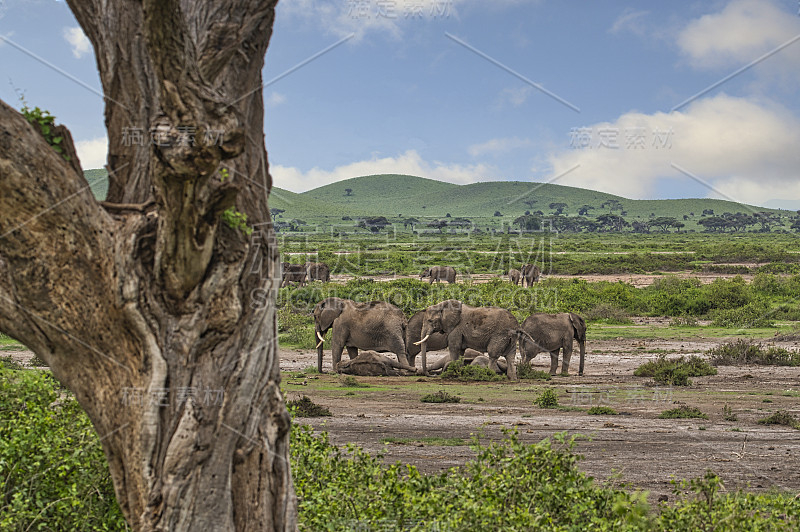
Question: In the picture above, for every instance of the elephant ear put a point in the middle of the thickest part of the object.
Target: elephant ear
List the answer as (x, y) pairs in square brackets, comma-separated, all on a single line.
[(451, 314), (327, 312), (580, 326)]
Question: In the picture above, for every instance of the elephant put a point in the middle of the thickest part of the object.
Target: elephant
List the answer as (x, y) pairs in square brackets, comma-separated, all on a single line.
[(513, 276), (293, 273), (489, 330), (551, 332), (378, 326), (530, 273), (436, 342), (372, 364), (318, 271), (484, 361), (439, 273)]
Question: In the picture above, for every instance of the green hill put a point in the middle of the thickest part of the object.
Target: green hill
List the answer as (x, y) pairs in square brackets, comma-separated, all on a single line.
[(402, 196)]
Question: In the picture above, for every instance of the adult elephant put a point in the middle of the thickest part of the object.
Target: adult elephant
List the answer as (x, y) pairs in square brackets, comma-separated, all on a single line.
[(372, 364), (295, 273), (489, 330), (554, 332), (436, 342), (530, 274), (378, 326), (439, 273), (318, 271), (514, 275)]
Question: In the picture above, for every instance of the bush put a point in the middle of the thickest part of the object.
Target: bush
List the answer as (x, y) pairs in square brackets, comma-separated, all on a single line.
[(54, 472), (547, 399), (9, 362), (675, 371), (305, 407), (526, 371), (683, 412), (602, 411), (440, 397), (349, 381), (743, 353), (781, 418), (609, 314), (296, 329), (751, 315), (457, 371)]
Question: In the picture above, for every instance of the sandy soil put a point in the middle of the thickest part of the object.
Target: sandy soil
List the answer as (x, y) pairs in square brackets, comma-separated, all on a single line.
[(634, 447)]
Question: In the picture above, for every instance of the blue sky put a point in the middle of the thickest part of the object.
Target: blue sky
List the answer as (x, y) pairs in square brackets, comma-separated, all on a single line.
[(471, 90)]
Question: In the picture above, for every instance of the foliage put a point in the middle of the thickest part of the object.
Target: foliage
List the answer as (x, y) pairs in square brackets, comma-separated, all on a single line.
[(305, 407), (752, 315), (349, 381), (547, 398), (744, 352), (54, 472), (36, 362), (9, 362), (440, 397), (458, 371), (683, 412), (608, 314), (526, 372), (296, 329), (47, 125), (602, 411), (781, 418), (236, 220), (728, 414), (675, 371)]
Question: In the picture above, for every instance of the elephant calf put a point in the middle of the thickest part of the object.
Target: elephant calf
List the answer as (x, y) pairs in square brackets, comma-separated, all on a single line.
[(514, 275), (318, 271), (554, 332), (439, 273), (372, 364), (530, 274)]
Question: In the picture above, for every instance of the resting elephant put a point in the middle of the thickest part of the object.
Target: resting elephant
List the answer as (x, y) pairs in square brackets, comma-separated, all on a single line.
[(513, 276), (530, 273), (489, 330), (293, 273), (439, 273), (318, 271), (484, 362), (436, 342), (551, 332), (378, 325), (372, 364)]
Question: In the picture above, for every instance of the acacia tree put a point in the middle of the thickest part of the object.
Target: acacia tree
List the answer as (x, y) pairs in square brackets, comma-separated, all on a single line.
[(158, 315)]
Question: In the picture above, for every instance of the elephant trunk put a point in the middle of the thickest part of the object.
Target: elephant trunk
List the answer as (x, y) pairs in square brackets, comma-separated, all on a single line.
[(582, 344)]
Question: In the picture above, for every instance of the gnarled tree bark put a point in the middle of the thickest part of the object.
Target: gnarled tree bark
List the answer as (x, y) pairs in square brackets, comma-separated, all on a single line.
[(155, 313)]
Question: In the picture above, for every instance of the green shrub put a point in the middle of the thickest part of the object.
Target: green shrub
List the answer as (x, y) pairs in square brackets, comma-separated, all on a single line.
[(608, 313), (305, 407), (781, 418), (54, 474), (9, 362), (744, 352), (440, 397), (457, 371), (728, 414), (296, 329), (37, 362), (683, 412), (526, 372), (752, 315), (349, 381), (547, 398), (602, 411), (675, 371)]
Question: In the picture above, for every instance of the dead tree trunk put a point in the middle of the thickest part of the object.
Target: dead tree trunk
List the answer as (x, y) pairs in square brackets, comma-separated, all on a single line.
[(158, 315)]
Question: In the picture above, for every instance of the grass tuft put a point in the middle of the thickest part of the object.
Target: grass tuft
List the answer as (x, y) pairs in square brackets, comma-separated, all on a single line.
[(305, 407), (683, 412), (440, 397)]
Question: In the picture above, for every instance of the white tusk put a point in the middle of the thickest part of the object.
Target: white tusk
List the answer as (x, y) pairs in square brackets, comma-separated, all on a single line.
[(423, 340), (321, 340), (319, 344)]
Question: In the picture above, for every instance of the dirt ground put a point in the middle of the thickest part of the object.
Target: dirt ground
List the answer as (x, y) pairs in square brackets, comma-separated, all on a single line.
[(634, 447)]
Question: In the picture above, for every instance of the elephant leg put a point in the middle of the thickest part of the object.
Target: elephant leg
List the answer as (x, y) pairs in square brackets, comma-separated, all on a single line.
[(352, 352), (567, 357), (553, 361), (336, 354)]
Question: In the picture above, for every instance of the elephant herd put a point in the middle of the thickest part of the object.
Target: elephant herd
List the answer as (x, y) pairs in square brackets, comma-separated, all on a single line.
[(379, 326), (300, 273)]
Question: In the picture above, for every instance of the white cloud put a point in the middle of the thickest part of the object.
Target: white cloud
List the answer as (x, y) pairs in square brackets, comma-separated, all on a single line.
[(745, 150), (79, 42), (515, 96), (92, 153), (409, 162), (275, 99), (740, 33), (630, 20), (498, 146)]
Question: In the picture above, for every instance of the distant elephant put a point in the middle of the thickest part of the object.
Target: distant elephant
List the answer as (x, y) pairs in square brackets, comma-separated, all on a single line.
[(436, 342), (372, 364), (293, 273), (551, 332), (378, 325), (318, 271), (489, 330), (439, 273), (531, 274), (513, 276)]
